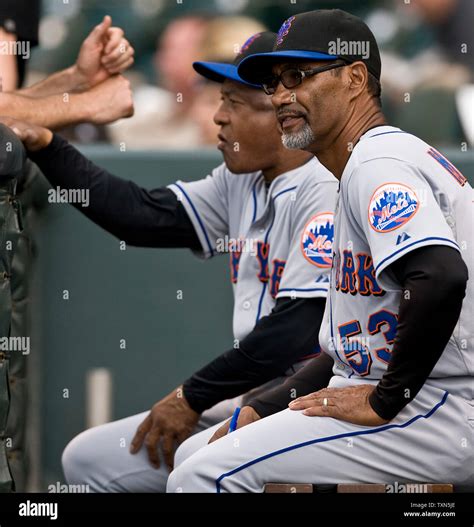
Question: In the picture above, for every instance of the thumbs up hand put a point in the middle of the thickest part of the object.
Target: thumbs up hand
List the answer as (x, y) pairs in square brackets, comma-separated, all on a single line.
[(103, 53)]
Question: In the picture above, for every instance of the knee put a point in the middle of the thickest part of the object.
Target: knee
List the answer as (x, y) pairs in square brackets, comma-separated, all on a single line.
[(190, 476), (79, 459), (177, 478), (187, 449)]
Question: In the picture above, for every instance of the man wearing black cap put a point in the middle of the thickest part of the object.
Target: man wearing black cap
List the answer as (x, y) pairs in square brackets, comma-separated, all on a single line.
[(399, 406), (271, 209)]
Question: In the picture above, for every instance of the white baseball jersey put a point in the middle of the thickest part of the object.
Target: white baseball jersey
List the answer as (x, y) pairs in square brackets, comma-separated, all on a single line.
[(397, 194), (279, 238)]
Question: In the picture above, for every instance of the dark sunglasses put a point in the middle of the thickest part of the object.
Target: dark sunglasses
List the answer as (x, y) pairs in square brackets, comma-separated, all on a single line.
[(293, 77)]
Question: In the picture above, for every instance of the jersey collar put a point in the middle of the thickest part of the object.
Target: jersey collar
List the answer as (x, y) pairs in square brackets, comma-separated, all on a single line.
[(284, 182), (379, 130)]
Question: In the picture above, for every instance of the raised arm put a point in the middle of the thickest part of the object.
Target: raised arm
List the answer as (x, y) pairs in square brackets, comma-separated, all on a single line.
[(105, 52), (92, 90)]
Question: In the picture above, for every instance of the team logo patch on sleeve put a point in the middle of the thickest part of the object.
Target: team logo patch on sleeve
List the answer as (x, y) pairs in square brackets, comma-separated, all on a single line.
[(317, 239), (391, 206)]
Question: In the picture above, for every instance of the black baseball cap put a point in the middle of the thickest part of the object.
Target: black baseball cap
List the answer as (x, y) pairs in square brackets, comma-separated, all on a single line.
[(324, 34), (219, 71)]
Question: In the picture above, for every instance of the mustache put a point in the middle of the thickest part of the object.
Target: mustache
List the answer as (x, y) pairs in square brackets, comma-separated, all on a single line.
[(283, 114)]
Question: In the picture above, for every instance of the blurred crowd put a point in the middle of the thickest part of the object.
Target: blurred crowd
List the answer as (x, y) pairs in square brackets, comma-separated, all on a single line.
[(426, 45)]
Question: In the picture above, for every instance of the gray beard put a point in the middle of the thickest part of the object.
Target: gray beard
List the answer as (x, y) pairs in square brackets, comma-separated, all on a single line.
[(299, 140)]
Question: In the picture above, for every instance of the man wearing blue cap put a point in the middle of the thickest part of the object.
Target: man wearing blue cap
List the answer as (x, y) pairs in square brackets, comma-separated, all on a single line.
[(399, 406), (271, 209)]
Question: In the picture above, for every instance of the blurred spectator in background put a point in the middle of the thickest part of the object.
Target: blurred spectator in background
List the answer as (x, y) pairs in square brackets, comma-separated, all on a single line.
[(162, 112), (430, 44), (19, 21), (178, 113), (427, 62), (452, 21), (177, 49)]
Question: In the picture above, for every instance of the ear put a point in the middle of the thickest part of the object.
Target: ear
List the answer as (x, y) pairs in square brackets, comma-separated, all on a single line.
[(358, 78)]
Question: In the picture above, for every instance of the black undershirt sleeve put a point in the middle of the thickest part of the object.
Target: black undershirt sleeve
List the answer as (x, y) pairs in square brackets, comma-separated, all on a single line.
[(312, 377), (140, 217), (434, 283), (286, 335)]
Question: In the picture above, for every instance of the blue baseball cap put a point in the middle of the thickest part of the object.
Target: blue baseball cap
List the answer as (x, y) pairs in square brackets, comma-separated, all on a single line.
[(324, 34), (220, 71)]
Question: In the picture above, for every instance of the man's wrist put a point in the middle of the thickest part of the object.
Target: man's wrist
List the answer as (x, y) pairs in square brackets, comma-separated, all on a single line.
[(84, 109), (264, 409), (183, 400), (380, 407), (195, 403), (78, 81)]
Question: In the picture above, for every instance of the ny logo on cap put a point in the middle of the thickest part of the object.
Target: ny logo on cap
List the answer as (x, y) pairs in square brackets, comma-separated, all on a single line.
[(249, 42), (284, 30)]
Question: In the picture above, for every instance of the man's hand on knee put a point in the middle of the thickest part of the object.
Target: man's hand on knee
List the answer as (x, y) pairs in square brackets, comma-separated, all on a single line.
[(171, 421), (349, 404)]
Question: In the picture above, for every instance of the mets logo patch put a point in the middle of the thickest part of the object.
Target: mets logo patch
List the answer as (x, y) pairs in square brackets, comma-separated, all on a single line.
[(284, 30), (391, 206), (317, 239)]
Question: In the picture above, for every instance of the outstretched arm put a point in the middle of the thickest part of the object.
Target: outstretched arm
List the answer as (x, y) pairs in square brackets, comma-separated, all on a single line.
[(105, 52), (146, 218), (92, 90), (52, 111)]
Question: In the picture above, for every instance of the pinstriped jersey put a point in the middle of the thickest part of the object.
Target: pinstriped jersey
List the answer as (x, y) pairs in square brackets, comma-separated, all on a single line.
[(397, 194), (278, 237)]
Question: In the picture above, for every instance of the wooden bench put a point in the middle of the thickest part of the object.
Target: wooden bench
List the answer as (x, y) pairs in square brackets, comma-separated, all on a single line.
[(354, 488)]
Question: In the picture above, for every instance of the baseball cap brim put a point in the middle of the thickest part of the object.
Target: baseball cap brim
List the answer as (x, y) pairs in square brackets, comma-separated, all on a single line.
[(219, 72), (257, 68)]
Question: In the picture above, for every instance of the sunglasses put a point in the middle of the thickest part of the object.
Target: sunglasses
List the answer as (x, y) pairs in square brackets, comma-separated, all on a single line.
[(293, 77)]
